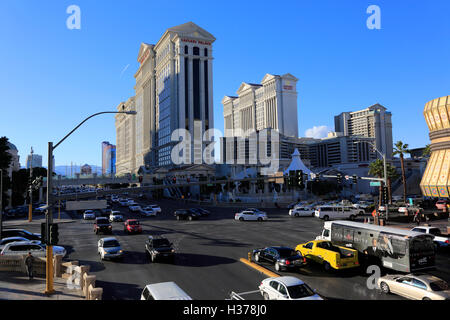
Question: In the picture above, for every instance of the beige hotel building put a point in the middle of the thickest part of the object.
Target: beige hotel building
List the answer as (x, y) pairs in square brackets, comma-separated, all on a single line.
[(174, 89)]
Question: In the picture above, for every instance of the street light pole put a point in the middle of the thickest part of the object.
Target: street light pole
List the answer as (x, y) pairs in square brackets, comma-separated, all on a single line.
[(30, 204), (1, 202), (49, 215)]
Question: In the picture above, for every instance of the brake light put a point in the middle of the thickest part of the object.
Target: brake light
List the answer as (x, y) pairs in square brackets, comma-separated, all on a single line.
[(304, 259), (288, 262), (357, 263), (446, 241)]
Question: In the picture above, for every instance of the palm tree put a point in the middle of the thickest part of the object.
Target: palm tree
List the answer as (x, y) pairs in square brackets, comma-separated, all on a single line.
[(426, 151), (376, 168), (400, 149)]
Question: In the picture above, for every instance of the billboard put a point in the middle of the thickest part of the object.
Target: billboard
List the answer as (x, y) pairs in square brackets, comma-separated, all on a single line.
[(86, 205)]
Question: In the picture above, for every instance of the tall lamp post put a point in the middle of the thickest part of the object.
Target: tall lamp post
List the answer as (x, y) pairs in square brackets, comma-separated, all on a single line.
[(30, 204), (383, 155), (49, 214)]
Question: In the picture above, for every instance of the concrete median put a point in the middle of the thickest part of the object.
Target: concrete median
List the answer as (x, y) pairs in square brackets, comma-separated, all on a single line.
[(259, 268)]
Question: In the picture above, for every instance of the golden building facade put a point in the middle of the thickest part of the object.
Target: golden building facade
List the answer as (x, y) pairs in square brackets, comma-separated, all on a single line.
[(436, 178)]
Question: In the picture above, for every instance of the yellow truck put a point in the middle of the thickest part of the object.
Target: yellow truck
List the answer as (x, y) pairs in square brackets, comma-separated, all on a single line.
[(329, 255)]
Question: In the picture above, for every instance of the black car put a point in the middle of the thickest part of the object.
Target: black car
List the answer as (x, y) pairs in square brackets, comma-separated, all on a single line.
[(189, 214), (201, 211), (102, 225), (106, 212), (282, 257), (159, 248), (7, 233)]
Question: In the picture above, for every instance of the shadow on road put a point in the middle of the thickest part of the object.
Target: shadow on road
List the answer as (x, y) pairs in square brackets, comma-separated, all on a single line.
[(119, 291)]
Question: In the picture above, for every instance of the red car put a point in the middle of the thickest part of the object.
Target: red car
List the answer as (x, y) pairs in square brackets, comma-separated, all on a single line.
[(132, 226), (441, 204)]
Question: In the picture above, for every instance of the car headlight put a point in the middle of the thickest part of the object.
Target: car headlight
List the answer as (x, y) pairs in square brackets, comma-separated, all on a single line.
[(120, 251), (172, 250)]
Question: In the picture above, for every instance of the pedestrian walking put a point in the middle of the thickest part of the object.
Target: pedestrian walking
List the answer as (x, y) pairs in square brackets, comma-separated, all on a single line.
[(416, 218), (29, 260)]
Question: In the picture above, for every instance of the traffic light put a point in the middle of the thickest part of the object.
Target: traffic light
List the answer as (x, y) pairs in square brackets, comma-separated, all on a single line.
[(43, 233), (291, 178), (317, 177), (339, 178), (355, 179), (53, 239), (299, 178), (385, 194)]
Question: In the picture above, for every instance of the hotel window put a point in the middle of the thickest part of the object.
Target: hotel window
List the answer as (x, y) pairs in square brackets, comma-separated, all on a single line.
[(196, 51), (206, 52), (186, 50)]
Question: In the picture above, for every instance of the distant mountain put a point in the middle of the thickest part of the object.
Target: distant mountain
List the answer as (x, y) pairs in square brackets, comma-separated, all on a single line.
[(66, 170)]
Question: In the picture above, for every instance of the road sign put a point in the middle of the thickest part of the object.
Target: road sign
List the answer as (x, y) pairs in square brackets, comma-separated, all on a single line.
[(375, 183)]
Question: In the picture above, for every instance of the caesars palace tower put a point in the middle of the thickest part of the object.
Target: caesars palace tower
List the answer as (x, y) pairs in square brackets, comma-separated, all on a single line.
[(174, 89)]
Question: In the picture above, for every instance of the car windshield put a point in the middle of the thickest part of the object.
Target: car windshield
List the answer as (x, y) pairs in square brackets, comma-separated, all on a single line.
[(300, 291), (161, 243), (111, 244), (133, 223), (102, 221), (286, 253), (440, 285), (435, 232)]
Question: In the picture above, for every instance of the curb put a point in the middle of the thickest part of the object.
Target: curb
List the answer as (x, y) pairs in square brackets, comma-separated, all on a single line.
[(259, 268)]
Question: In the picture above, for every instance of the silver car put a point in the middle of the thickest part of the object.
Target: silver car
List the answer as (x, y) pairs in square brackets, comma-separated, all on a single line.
[(415, 286), (34, 246), (109, 248)]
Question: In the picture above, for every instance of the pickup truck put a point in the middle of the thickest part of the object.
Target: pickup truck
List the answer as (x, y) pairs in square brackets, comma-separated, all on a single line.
[(440, 240), (329, 255)]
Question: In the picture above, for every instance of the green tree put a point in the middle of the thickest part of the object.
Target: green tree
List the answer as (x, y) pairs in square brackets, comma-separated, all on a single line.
[(20, 184), (400, 149), (427, 151), (5, 162), (376, 168)]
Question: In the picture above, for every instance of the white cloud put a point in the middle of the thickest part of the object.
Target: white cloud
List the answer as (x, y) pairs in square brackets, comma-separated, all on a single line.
[(124, 69), (318, 132)]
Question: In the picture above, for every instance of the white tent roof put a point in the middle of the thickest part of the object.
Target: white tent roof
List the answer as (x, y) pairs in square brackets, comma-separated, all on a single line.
[(297, 164)]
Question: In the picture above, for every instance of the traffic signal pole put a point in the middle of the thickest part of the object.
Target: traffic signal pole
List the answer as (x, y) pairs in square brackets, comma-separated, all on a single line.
[(49, 219), (30, 205)]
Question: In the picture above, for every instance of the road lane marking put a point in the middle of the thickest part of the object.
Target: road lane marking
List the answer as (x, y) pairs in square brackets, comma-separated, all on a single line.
[(259, 268)]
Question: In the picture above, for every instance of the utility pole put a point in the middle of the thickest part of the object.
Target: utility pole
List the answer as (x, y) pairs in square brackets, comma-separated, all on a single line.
[(49, 219), (30, 204)]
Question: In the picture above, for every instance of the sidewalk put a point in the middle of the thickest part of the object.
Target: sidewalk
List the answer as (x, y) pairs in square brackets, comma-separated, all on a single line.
[(37, 220), (17, 286)]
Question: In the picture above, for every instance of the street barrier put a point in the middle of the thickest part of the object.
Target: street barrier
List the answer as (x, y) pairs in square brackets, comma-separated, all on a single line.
[(77, 277)]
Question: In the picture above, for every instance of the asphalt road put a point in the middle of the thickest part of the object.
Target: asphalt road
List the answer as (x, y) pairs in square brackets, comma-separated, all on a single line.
[(207, 264)]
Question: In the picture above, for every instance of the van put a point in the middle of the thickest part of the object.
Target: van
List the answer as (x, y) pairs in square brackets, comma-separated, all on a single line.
[(164, 291), (337, 212)]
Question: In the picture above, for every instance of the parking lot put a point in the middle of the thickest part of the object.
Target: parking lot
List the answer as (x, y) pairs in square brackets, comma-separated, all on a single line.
[(208, 250)]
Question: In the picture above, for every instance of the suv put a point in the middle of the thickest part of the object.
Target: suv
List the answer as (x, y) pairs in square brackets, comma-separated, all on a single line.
[(132, 226), (102, 225), (159, 247), (186, 214)]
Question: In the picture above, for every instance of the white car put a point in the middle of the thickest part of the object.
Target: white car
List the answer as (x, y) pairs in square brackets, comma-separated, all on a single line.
[(286, 288), (148, 212), (115, 216), (164, 291), (302, 212), (89, 215), (5, 241), (250, 215), (109, 248), (155, 208), (35, 247), (135, 208)]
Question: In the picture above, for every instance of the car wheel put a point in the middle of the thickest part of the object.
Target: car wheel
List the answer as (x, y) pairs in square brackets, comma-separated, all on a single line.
[(241, 219), (296, 215), (326, 218), (277, 266), (260, 219), (257, 257), (326, 266), (384, 287), (265, 296), (426, 298)]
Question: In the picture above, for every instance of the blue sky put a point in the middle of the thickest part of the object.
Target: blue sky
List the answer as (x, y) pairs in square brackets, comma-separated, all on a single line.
[(52, 77)]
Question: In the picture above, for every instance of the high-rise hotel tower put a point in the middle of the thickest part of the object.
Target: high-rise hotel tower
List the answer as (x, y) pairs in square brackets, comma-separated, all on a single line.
[(174, 89)]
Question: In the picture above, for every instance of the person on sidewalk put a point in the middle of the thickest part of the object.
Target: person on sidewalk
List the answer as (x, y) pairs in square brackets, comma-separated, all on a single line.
[(29, 260), (416, 218)]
